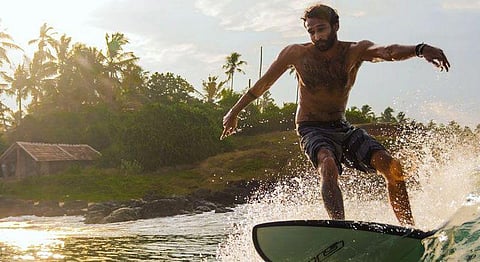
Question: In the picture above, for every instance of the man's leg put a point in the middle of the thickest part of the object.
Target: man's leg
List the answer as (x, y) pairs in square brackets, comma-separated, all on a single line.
[(397, 190), (331, 194)]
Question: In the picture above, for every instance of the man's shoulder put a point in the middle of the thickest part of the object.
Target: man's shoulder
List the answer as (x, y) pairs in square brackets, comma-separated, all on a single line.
[(297, 47), (356, 49), (294, 51), (360, 45)]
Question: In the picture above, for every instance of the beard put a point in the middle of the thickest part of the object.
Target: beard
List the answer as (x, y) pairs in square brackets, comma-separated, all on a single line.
[(324, 45)]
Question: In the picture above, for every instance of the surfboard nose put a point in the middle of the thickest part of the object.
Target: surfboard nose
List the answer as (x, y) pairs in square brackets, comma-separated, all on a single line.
[(334, 240)]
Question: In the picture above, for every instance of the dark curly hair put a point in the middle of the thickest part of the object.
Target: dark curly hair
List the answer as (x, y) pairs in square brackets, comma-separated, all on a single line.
[(321, 11)]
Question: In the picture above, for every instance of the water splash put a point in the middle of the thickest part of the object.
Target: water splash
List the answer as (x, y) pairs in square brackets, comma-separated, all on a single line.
[(442, 166), (458, 239)]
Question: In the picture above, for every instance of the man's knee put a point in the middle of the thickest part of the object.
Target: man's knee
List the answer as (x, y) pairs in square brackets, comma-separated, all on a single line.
[(327, 164), (390, 167)]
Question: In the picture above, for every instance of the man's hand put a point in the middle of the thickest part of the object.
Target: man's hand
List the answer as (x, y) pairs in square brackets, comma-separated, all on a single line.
[(436, 56), (230, 122)]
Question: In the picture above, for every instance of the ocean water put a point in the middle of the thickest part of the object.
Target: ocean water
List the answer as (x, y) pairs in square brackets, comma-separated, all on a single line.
[(443, 177), (178, 238), (443, 169)]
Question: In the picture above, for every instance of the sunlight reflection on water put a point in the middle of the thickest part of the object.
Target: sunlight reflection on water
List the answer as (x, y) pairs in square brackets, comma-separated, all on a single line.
[(179, 238)]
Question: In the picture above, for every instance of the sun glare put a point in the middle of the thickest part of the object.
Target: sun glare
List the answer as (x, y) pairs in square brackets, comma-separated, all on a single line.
[(42, 243)]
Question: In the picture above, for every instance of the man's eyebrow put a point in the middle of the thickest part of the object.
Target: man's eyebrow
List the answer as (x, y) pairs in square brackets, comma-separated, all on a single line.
[(316, 26)]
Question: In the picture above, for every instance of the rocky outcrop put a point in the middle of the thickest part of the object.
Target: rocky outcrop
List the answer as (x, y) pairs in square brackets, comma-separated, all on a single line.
[(150, 206), (122, 214), (202, 200), (14, 207)]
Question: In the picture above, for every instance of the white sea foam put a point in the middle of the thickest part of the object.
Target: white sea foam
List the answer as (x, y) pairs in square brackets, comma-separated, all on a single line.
[(442, 168)]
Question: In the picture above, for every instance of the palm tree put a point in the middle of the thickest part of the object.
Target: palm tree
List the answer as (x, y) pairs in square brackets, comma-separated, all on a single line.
[(116, 58), (134, 80), (62, 49), (367, 112), (212, 88), (387, 116), (19, 84), (232, 65), (6, 118), (6, 44), (117, 61), (87, 83), (62, 82), (265, 101), (43, 63), (46, 43), (402, 118)]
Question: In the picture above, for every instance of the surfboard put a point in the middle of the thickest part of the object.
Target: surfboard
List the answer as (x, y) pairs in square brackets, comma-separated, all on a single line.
[(336, 240)]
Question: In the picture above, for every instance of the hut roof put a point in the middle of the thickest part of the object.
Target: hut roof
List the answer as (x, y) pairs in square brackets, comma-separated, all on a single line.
[(54, 152)]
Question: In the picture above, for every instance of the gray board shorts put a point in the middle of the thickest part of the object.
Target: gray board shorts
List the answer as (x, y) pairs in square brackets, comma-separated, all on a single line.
[(350, 145)]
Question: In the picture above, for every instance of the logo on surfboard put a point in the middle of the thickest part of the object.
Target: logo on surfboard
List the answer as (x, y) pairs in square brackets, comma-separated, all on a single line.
[(330, 250)]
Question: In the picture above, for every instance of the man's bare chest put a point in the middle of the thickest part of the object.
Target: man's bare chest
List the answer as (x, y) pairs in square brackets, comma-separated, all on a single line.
[(321, 73)]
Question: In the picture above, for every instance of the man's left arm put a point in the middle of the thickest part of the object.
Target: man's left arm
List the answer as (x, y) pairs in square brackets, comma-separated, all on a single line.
[(376, 53)]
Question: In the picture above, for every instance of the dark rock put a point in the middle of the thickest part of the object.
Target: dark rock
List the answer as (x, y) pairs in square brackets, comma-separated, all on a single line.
[(15, 207), (93, 218), (150, 196), (98, 211), (104, 207), (136, 203), (164, 207), (151, 206), (75, 207), (122, 214), (207, 204), (47, 208)]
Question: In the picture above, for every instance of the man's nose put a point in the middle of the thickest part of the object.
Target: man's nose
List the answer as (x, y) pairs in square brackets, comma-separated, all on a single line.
[(317, 37)]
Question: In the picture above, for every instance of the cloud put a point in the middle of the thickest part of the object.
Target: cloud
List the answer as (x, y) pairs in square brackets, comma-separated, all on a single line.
[(259, 16), (461, 4), (211, 8), (282, 16), (167, 56), (359, 14), (167, 34)]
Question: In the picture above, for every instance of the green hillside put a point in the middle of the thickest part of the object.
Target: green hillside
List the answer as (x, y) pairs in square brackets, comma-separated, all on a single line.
[(260, 157)]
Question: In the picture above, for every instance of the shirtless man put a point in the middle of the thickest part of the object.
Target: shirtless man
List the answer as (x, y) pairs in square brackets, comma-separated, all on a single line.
[(326, 71)]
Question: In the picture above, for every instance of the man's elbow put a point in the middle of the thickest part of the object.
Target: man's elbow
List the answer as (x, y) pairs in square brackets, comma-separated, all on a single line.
[(391, 53)]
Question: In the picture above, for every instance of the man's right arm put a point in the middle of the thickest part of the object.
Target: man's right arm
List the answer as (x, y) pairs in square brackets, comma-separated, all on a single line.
[(278, 67)]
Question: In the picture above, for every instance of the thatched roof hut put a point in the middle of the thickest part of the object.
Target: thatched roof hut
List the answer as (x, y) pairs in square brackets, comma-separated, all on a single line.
[(26, 158)]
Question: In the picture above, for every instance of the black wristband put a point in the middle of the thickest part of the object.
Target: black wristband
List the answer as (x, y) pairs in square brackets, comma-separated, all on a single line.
[(419, 49)]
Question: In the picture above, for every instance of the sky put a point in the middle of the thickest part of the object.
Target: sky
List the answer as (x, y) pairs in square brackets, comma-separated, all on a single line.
[(192, 38)]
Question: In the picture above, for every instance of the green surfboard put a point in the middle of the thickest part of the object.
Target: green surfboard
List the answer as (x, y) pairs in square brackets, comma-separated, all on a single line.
[(335, 240)]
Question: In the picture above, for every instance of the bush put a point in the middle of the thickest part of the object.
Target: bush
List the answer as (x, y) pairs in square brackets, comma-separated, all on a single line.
[(162, 135)]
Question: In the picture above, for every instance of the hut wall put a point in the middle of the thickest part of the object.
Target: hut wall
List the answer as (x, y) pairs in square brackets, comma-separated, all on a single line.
[(25, 165)]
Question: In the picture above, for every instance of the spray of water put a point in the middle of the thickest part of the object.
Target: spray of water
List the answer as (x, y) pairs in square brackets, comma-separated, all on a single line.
[(442, 167)]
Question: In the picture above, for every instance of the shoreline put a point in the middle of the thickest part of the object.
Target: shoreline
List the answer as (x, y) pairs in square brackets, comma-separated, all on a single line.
[(200, 201)]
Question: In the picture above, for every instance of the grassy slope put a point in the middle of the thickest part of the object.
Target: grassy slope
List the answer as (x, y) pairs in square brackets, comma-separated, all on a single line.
[(256, 157), (260, 157)]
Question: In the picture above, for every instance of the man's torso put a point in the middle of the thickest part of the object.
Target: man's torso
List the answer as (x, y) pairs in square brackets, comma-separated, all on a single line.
[(324, 80)]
